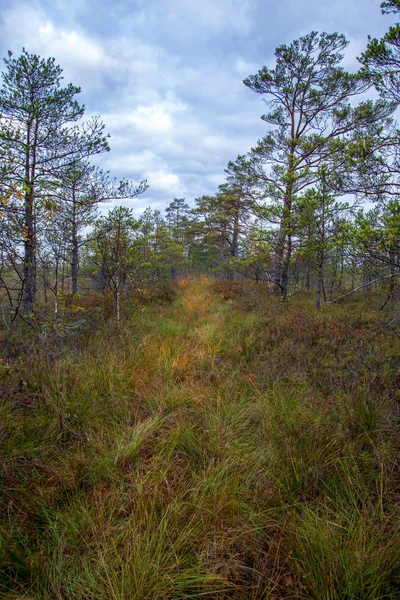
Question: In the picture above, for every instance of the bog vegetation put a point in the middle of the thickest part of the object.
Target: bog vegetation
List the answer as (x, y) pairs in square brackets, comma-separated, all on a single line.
[(204, 404)]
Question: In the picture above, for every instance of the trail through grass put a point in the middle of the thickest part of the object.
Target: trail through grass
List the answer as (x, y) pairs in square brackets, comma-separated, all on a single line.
[(211, 448)]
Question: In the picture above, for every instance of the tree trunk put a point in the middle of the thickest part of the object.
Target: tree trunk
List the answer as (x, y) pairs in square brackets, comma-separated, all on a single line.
[(321, 251), (29, 296), (45, 283), (234, 247), (74, 263), (56, 291), (74, 253), (29, 291), (392, 282), (308, 279), (278, 259), (285, 269), (282, 261), (118, 299), (320, 282), (63, 277)]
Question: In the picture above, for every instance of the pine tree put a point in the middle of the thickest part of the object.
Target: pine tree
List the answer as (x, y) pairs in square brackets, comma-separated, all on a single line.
[(38, 137)]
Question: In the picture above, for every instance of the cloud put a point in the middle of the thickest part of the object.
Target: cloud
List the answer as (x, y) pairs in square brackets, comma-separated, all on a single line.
[(157, 118), (210, 16), (244, 67), (166, 75), (165, 182), (72, 46)]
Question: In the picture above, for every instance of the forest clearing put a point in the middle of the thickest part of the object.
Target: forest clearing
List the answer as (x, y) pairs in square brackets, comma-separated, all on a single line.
[(218, 444)]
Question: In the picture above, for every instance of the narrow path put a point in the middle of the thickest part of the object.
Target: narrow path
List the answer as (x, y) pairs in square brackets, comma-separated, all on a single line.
[(201, 451)]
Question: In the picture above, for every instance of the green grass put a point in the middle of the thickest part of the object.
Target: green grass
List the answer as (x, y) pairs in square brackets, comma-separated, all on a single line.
[(218, 445)]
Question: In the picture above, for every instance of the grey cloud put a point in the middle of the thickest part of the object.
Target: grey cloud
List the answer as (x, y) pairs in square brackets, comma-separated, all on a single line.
[(166, 75)]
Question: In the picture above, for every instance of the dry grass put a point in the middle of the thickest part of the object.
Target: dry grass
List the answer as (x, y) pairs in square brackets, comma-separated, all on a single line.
[(218, 446)]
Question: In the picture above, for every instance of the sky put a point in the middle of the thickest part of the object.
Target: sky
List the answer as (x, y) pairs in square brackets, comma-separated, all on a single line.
[(166, 76)]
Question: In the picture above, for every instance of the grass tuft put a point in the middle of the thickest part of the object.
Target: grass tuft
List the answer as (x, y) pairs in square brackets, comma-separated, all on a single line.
[(218, 445)]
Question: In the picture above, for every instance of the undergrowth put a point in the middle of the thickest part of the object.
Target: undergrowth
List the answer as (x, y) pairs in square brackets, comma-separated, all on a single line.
[(218, 444)]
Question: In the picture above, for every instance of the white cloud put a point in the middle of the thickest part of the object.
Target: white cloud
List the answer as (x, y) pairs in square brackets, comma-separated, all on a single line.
[(211, 15), (72, 46), (27, 25), (138, 162), (157, 118), (83, 59), (164, 181)]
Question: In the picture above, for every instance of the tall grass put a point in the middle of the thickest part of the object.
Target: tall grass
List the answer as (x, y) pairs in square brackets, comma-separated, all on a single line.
[(215, 446)]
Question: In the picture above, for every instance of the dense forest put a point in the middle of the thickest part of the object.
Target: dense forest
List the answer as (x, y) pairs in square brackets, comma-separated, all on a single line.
[(204, 403)]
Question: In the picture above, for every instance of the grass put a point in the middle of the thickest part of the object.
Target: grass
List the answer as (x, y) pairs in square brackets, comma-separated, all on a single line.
[(220, 445)]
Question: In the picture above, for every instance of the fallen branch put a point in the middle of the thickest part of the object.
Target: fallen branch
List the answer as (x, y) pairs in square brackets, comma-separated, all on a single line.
[(363, 286)]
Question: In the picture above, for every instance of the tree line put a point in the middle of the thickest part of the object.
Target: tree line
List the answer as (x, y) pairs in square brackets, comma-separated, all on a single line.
[(291, 211)]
